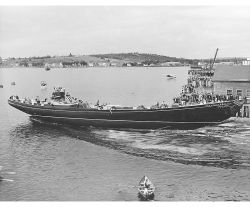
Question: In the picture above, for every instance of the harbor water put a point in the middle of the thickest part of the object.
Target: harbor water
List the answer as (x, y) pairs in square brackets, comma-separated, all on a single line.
[(41, 161)]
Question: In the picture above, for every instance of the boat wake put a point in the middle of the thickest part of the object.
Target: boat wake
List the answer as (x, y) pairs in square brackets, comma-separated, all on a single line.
[(8, 180), (225, 145)]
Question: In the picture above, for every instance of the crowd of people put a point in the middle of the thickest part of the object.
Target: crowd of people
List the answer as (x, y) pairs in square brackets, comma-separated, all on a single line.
[(202, 72), (184, 99), (187, 89), (200, 81), (202, 98)]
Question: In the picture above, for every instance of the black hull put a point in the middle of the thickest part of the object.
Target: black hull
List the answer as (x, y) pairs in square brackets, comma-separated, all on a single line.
[(146, 197), (182, 117)]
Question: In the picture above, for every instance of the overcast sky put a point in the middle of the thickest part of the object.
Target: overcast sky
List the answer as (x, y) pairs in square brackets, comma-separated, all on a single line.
[(187, 31)]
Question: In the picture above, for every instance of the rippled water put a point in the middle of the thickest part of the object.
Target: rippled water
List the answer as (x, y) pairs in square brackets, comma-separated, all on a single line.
[(44, 161), (226, 145)]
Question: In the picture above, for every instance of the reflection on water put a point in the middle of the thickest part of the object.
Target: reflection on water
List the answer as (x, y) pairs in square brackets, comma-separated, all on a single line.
[(226, 145)]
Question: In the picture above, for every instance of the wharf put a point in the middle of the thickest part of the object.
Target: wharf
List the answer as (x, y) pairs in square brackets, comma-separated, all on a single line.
[(245, 110)]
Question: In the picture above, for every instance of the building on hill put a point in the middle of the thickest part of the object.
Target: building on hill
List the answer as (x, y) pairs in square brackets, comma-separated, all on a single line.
[(103, 64), (246, 62), (60, 65), (90, 64), (171, 64), (225, 63)]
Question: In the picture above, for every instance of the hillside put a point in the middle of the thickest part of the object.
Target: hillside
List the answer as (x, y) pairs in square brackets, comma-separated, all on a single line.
[(142, 57), (56, 60), (106, 60)]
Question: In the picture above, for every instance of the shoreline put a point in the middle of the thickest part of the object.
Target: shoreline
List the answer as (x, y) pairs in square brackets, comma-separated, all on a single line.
[(5, 67)]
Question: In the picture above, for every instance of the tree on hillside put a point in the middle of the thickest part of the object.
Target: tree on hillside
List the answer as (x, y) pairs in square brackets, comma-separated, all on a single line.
[(38, 64), (74, 63), (83, 63), (23, 63)]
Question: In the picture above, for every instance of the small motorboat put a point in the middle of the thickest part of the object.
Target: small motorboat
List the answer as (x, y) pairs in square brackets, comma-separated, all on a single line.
[(1, 178), (1, 86), (170, 76), (146, 189), (43, 85), (47, 67), (13, 83)]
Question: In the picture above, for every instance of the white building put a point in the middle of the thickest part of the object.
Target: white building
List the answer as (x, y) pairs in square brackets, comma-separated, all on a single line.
[(60, 65), (91, 64), (103, 64), (113, 64), (246, 62)]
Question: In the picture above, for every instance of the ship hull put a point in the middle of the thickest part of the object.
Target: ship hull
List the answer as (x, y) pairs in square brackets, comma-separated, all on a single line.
[(181, 117)]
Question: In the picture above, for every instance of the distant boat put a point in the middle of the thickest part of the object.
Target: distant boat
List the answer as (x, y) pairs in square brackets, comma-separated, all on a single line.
[(1, 86), (146, 188), (170, 76), (13, 83), (1, 178), (47, 67), (43, 85)]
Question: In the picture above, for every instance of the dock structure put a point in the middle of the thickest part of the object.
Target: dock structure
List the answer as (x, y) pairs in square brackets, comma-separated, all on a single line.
[(245, 110), (227, 81), (234, 80)]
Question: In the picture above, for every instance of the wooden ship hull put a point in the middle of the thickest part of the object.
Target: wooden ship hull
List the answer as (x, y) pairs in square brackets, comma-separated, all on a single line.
[(192, 116)]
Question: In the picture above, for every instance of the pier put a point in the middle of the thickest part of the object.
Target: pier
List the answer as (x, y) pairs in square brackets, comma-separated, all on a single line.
[(245, 110)]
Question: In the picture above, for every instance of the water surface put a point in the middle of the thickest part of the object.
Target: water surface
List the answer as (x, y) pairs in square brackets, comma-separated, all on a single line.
[(51, 162)]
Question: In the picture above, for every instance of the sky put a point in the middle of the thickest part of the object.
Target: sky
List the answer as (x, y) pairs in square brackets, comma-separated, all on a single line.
[(177, 31)]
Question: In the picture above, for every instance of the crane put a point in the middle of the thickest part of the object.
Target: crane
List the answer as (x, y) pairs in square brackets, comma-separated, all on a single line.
[(212, 65)]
